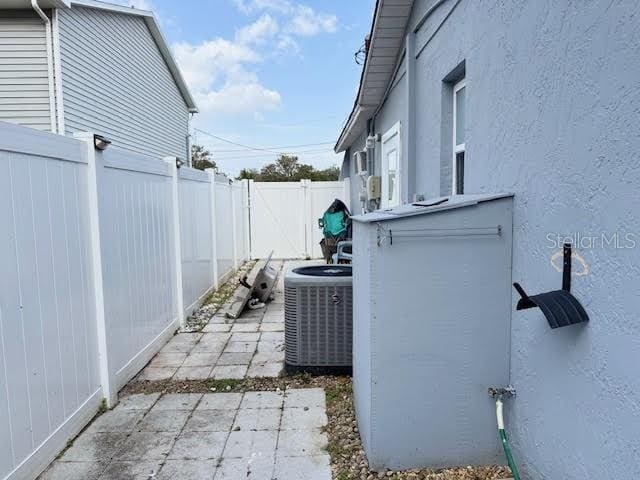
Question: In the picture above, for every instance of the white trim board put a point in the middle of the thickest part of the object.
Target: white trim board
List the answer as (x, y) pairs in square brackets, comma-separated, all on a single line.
[(394, 131)]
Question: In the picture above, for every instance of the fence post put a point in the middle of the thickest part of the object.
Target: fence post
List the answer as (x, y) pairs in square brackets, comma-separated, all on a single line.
[(234, 224), (346, 191), (214, 235), (250, 190), (177, 248), (93, 177), (306, 216), (245, 218)]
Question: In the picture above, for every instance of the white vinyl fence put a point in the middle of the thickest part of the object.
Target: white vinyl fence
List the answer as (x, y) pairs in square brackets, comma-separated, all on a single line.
[(101, 256), (284, 216)]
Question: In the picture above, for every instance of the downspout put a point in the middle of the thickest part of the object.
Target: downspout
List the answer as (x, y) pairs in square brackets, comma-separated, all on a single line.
[(189, 140), (57, 70), (48, 37)]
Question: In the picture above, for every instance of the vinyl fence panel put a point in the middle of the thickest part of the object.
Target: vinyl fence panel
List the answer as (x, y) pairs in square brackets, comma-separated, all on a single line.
[(241, 205), (277, 219), (284, 216), (195, 229), (101, 254), (224, 231), (49, 382), (137, 257)]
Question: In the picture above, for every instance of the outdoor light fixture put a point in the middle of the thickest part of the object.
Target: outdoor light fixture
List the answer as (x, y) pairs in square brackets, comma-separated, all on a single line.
[(100, 143), (179, 163)]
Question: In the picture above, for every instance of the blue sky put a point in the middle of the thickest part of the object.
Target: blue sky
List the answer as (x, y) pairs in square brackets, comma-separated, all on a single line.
[(267, 73)]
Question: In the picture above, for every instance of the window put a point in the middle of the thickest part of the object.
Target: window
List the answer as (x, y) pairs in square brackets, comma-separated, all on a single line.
[(391, 168), (459, 110)]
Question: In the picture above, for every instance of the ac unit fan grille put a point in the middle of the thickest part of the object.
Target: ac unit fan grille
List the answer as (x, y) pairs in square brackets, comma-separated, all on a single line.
[(318, 325)]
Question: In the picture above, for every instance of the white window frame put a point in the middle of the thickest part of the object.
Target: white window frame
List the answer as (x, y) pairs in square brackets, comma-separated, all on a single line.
[(384, 200), (457, 148)]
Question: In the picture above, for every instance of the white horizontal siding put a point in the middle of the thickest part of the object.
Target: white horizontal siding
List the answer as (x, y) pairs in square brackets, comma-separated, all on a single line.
[(24, 83), (116, 83)]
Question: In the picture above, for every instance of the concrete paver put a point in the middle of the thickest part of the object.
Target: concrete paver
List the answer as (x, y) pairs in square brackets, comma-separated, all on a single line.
[(215, 436), (210, 421), (237, 372), (256, 332), (220, 401), (188, 470)]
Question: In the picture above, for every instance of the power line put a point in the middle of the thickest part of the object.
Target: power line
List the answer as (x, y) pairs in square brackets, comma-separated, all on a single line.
[(266, 156), (283, 147), (260, 149)]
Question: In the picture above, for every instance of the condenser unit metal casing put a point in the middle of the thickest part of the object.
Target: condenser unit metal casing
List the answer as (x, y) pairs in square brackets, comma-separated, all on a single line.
[(318, 318)]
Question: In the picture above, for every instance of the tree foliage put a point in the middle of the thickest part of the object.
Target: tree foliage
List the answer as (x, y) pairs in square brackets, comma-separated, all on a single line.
[(201, 158), (287, 168)]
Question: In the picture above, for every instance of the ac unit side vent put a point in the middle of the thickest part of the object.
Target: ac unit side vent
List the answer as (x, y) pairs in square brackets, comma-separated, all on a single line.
[(318, 325)]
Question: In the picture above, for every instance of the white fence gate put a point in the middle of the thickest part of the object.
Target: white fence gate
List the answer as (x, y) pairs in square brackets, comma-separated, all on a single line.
[(284, 216)]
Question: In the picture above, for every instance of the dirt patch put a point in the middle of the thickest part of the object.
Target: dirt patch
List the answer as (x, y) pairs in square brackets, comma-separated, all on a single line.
[(216, 299), (348, 460)]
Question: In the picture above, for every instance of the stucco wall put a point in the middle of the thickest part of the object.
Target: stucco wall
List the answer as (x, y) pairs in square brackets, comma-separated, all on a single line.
[(394, 110), (552, 115), (349, 170)]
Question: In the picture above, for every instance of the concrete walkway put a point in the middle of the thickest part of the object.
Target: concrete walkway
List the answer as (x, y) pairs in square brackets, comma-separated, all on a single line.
[(217, 436), (252, 345), (213, 436)]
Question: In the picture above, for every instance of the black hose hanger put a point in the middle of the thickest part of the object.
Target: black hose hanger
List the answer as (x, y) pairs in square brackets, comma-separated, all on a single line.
[(560, 307)]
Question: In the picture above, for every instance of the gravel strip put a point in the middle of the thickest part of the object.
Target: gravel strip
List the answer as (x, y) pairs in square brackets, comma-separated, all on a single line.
[(348, 460), (199, 318)]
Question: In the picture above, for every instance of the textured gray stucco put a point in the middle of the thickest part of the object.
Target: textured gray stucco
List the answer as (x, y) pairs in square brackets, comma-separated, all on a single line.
[(355, 180), (552, 115)]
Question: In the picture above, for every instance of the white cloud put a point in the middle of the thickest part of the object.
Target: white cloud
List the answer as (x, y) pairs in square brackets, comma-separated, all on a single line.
[(217, 73), (251, 6), (301, 19), (204, 64), (307, 22), (239, 98), (140, 4), (259, 31)]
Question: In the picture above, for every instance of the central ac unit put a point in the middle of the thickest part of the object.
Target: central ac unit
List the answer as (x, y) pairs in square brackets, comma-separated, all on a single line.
[(318, 319)]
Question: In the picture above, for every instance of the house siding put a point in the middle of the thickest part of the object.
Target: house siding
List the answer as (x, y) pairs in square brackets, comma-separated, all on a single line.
[(24, 80), (116, 83), (552, 109)]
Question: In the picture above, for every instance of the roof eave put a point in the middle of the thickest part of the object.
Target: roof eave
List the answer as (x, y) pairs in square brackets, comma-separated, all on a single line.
[(369, 97), (20, 4), (152, 23)]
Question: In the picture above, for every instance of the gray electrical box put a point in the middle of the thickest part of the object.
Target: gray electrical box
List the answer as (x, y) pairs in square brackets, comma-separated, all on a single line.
[(432, 309)]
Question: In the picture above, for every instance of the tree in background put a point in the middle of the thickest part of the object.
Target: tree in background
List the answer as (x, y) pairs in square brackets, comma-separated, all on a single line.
[(201, 158), (287, 169)]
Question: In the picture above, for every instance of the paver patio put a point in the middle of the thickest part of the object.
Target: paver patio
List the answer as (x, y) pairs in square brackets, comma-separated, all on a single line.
[(250, 346), (213, 436), (216, 436)]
